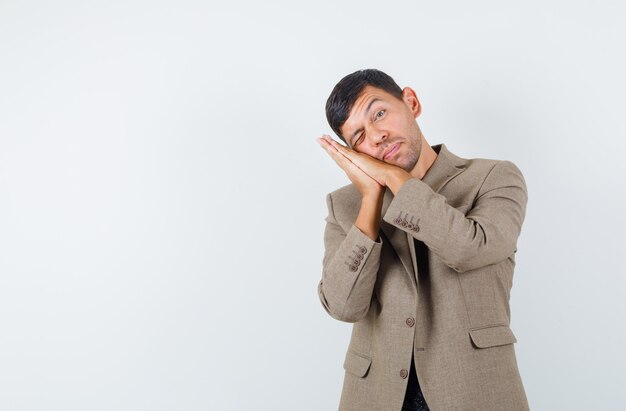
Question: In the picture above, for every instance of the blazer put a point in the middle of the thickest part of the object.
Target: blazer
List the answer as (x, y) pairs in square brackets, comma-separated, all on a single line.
[(434, 286)]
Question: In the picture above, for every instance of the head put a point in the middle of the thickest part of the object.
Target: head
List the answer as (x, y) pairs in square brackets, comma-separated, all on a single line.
[(371, 114)]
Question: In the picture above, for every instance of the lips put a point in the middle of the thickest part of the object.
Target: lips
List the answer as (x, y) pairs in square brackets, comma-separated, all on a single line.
[(391, 151)]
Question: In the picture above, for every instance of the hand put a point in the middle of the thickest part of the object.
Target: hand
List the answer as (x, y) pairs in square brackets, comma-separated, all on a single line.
[(364, 183), (385, 174)]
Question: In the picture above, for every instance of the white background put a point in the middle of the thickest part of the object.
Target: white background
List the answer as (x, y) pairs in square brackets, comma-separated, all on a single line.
[(162, 194)]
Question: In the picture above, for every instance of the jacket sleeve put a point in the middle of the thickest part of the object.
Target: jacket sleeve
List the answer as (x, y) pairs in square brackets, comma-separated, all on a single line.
[(486, 235), (349, 269)]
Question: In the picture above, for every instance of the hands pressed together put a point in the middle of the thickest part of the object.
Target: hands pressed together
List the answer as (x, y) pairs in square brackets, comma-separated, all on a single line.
[(369, 174)]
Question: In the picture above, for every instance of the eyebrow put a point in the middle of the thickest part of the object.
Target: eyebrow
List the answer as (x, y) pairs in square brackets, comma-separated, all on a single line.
[(366, 110)]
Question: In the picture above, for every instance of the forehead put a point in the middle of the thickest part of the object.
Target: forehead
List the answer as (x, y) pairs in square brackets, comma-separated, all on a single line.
[(358, 112)]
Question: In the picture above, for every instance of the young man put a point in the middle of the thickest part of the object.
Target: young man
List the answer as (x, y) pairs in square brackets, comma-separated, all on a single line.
[(419, 255)]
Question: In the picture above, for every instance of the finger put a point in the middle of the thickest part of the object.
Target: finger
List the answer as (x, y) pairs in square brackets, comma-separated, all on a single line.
[(331, 140), (350, 168), (323, 140), (341, 160), (345, 157), (327, 146), (344, 150), (330, 149)]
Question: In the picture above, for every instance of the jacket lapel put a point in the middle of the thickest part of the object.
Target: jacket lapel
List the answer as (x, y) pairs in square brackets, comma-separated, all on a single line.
[(445, 168)]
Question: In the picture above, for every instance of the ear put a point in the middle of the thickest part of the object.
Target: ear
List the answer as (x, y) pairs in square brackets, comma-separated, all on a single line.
[(410, 99)]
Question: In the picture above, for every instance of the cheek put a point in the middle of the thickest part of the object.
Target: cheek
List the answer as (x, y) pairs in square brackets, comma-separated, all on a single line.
[(399, 126)]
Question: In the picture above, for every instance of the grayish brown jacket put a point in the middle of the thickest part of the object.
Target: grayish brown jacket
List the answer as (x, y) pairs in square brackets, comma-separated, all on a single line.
[(436, 283)]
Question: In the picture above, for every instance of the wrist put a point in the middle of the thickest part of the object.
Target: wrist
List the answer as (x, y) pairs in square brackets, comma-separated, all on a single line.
[(396, 178), (374, 195)]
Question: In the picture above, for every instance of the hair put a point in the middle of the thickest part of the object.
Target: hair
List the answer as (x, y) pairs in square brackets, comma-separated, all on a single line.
[(349, 88)]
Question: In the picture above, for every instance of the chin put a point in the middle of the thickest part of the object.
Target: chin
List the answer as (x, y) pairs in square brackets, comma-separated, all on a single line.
[(402, 165), (406, 168), (409, 165)]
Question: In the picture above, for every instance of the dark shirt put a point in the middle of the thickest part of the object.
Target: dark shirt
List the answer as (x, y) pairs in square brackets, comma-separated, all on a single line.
[(414, 399)]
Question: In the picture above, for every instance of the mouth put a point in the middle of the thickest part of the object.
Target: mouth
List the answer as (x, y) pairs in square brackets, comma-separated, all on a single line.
[(391, 150)]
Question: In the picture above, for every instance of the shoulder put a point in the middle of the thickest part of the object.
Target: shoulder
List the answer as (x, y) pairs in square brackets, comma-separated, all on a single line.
[(346, 193), (344, 198), (487, 174), (480, 174), (486, 167)]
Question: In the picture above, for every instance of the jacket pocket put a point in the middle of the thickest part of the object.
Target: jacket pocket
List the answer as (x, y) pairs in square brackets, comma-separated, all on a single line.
[(492, 336), (356, 363)]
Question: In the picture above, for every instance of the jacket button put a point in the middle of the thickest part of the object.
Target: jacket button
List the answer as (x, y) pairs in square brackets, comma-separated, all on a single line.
[(353, 268), (363, 250), (416, 228), (397, 220), (410, 321), (403, 223), (403, 373), (356, 262)]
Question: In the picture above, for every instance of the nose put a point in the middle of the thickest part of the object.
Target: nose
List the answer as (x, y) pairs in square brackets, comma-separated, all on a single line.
[(378, 136)]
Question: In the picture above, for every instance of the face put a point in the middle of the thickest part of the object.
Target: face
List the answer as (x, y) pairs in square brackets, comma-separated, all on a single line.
[(384, 127)]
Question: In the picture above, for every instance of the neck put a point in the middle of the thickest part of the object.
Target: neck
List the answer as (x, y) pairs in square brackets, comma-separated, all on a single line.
[(426, 160)]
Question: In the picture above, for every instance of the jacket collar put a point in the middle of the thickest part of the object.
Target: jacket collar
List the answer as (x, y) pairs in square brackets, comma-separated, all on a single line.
[(445, 167)]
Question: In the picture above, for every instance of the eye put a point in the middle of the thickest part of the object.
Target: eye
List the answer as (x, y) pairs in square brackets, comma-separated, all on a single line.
[(380, 114), (358, 140)]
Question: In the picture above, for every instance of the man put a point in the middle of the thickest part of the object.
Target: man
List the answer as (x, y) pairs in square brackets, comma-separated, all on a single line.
[(419, 255)]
